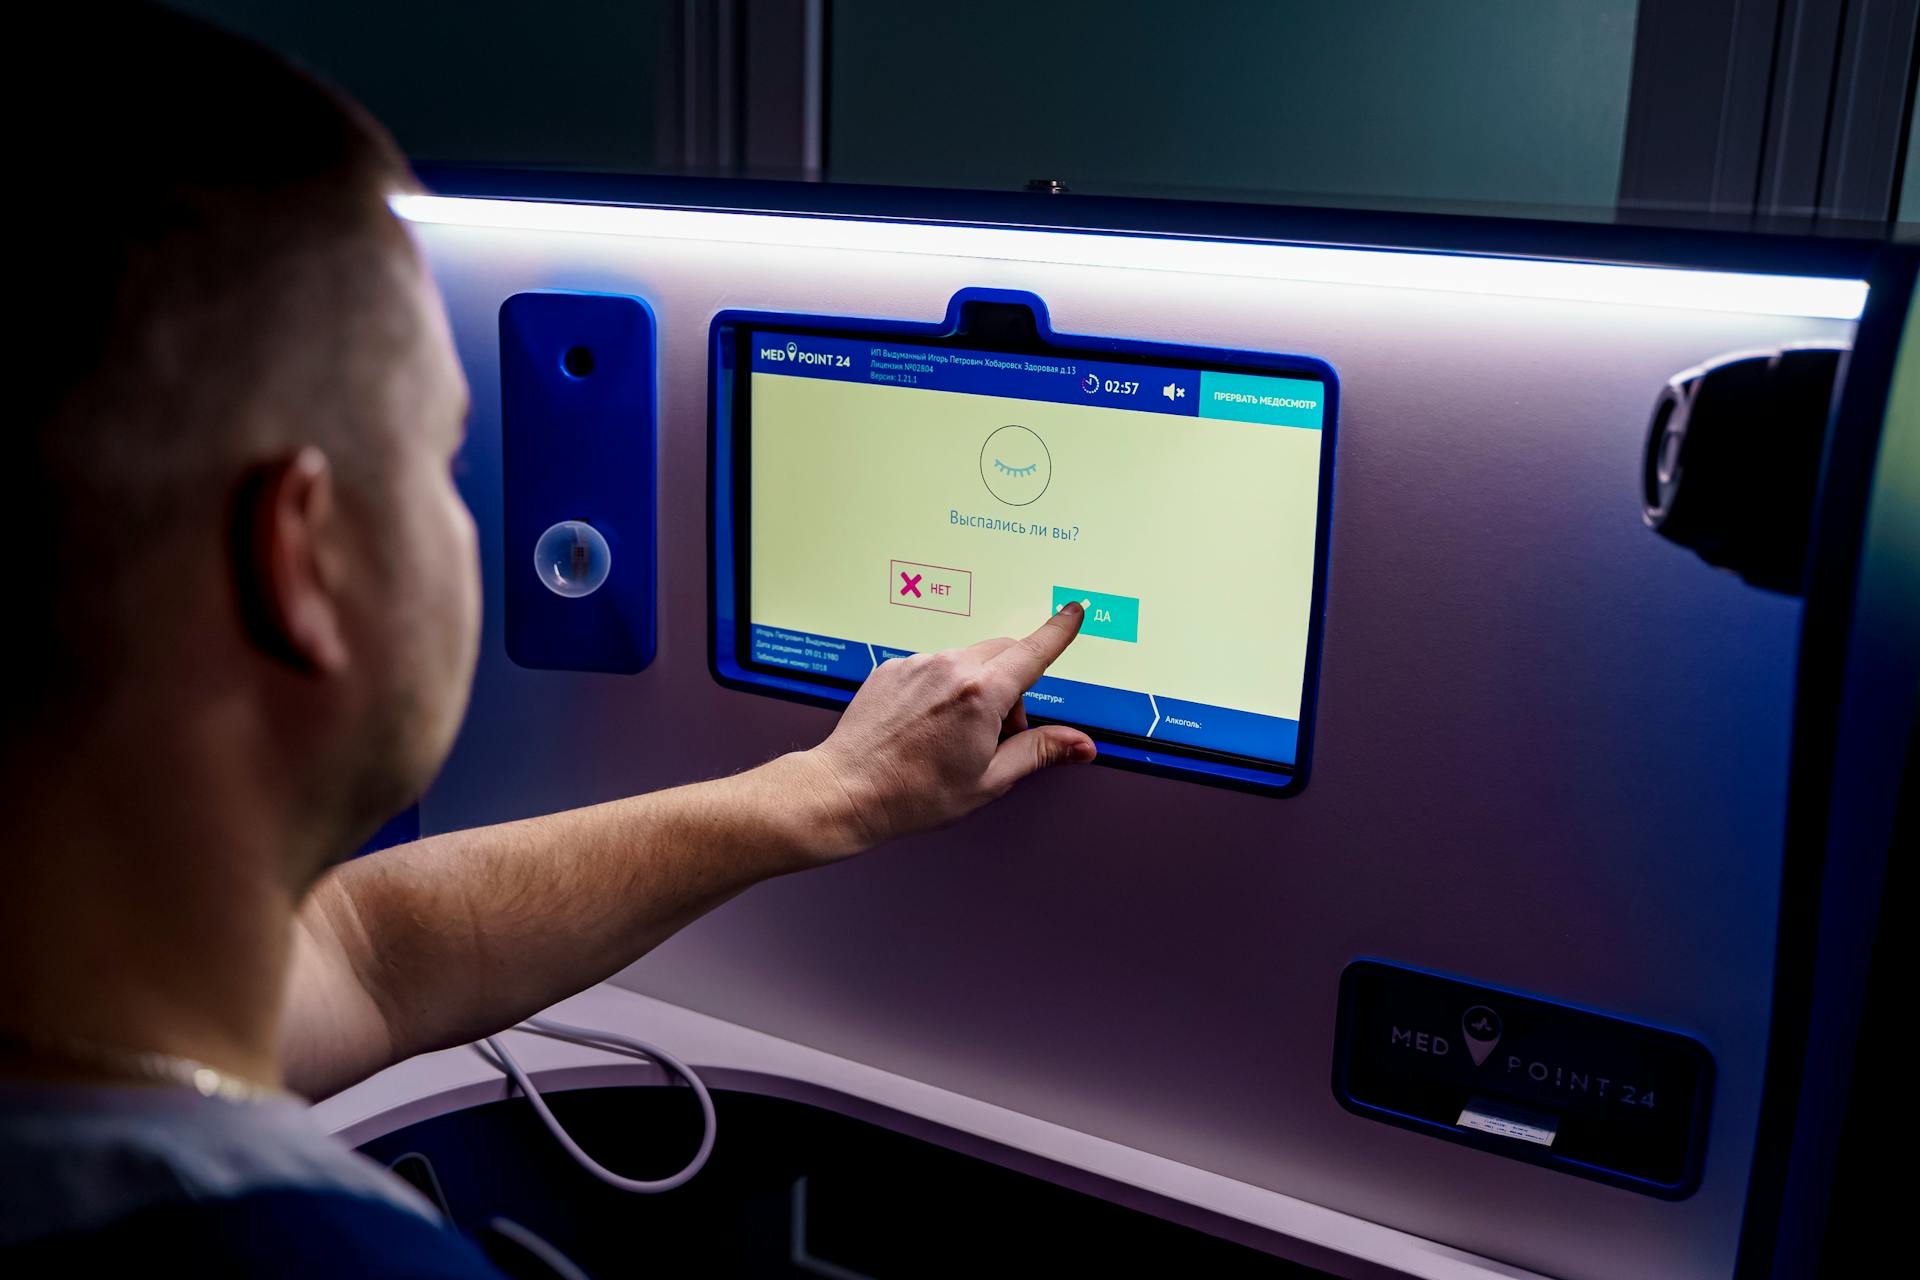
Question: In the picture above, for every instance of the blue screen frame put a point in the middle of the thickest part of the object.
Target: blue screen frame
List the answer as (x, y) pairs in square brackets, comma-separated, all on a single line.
[(725, 551)]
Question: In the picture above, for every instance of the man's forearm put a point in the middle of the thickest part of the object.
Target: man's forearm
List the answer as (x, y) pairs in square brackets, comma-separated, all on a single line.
[(451, 938)]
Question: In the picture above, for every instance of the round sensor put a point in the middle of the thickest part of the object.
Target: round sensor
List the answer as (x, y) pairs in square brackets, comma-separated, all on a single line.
[(572, 559)]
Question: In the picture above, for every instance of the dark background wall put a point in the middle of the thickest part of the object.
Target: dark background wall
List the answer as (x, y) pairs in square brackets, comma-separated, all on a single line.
[(1508, 101), (561, 83), (1519, 101), (1909, 208)]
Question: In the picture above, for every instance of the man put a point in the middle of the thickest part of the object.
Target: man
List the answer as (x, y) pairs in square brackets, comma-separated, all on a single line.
[(250, 620)]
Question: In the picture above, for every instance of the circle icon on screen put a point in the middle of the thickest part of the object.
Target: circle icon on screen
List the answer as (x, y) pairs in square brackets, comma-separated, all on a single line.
[(572, 559), (1015, 464), (1090, 383)]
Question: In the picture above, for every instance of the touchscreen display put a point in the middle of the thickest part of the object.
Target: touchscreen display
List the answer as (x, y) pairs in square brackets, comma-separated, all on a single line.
[(903, 497)]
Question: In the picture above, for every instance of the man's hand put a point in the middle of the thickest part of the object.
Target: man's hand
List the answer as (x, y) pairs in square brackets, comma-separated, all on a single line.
[(933, 737), (455, 936)]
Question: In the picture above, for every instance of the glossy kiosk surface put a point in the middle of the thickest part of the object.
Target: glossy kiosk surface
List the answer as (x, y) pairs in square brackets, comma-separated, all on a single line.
[(1551, 750)]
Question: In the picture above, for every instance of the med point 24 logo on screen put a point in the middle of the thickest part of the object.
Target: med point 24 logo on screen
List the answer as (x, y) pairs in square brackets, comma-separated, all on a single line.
[(794, 353)]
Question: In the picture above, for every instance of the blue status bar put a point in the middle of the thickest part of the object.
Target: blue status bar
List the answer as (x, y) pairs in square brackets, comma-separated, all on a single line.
[(1147, 715), (1189, 393)]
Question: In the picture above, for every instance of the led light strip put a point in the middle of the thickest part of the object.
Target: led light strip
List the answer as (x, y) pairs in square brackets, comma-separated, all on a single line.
[(1753, 294)]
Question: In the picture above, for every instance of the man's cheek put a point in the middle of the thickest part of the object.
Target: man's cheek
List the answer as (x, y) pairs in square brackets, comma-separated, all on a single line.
[(461, 581)]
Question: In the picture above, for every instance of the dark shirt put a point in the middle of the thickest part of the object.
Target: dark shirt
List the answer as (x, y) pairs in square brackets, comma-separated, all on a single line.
[(98, 1179)]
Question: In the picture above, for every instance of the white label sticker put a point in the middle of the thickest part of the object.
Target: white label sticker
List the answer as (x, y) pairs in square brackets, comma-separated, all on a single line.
[(1508, 1121)]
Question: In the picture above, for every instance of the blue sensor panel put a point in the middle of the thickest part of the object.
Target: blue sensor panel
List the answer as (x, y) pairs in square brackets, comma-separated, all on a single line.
[(885, 489), (577, 416)]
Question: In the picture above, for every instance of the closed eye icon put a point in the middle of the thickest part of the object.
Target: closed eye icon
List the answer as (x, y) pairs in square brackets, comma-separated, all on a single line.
[(1016, 483)]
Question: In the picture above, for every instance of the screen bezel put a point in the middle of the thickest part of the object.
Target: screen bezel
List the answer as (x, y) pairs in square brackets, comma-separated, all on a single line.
[(735, 337)]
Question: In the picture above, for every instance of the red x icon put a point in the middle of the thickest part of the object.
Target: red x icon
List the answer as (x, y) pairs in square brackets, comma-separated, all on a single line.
[(935, 588)]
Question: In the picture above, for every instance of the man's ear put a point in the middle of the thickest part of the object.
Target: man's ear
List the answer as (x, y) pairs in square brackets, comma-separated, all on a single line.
[(287, 562)]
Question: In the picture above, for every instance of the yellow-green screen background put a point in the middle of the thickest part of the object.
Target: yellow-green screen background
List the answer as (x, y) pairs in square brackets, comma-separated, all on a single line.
[(1209, 523)]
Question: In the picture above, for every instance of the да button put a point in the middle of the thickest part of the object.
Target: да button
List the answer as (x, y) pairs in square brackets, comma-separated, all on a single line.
[(1109, 616)]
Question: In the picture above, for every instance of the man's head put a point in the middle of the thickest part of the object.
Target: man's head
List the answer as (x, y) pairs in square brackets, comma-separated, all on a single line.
[(229, 486)]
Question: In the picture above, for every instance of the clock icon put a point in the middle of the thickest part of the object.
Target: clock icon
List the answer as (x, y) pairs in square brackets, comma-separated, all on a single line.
[(1090, 383)]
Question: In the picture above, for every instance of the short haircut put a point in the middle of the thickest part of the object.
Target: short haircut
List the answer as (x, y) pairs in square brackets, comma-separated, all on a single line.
[(211, 278)]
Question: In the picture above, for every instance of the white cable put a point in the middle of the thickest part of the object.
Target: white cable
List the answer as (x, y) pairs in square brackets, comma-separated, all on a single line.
[(608, 1042)]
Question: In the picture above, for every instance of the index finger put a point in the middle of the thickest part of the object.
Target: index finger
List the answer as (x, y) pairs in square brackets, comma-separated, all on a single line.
[(1026, 659)]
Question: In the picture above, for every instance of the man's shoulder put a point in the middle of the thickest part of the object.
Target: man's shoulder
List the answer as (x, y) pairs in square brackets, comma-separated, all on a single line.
[(290, 1232), (76, 1159)]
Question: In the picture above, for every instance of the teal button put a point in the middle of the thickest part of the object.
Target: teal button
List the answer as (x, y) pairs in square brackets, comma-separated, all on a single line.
[(1110, 617), (1279, 402)]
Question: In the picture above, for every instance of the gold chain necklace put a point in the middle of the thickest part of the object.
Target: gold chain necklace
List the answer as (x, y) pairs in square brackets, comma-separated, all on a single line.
[(148, 1065)]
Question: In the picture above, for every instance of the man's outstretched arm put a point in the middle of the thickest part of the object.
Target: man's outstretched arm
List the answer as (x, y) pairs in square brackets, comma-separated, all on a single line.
[(459, 935)]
